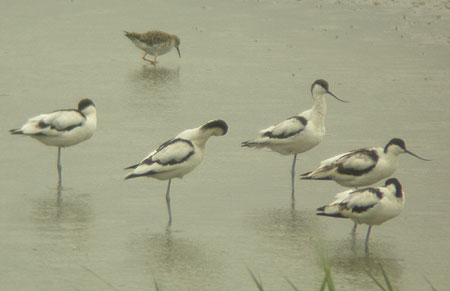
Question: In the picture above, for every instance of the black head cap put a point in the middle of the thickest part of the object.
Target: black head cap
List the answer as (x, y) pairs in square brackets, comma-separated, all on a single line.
[(398, 186), (218, 123), (322, 83), (395, 141), (84, 103)]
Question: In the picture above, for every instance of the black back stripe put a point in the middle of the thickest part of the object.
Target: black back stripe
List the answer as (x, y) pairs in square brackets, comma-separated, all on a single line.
[(69, 128), (361, 209), (337, 215), (150, 160), (301, 119), (358, 172), (372, 190)]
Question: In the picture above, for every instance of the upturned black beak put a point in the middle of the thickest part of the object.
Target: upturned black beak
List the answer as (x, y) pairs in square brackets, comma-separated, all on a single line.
[(336, 97), (414, 155)]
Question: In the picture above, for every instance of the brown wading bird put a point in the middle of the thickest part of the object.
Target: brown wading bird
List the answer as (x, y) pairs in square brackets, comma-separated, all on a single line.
[(155, 43)]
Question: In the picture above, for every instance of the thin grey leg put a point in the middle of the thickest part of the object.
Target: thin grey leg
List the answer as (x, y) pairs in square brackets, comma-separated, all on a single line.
[(292, 181), (354, 228), (168, 202), (367, 239), (58, 165)]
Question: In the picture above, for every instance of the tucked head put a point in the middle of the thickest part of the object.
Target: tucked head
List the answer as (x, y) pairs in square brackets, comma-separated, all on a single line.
[(321, 87), (218, 126), (85, 103), (396, 184)]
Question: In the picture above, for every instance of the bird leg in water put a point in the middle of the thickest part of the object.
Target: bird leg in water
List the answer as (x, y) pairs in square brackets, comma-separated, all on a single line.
[(58, 165), (367, 239), (292, 181), (168, 202), (150, 61)]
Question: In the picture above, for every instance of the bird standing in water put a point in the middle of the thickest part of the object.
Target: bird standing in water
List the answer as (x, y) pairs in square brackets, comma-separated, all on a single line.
[(363, 167), (299, 133), (62, 128), (372, 206), (178, 156), (155, 43)]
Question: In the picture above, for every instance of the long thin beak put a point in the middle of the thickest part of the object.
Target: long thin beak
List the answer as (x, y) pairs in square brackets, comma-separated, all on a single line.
[(178, 50), (336, 97), (414, 155)]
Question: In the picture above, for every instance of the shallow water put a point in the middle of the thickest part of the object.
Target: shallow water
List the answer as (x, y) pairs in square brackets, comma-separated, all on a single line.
[(251, 64)]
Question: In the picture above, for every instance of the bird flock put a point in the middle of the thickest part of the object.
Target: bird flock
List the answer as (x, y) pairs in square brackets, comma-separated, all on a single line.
[(357, 169)]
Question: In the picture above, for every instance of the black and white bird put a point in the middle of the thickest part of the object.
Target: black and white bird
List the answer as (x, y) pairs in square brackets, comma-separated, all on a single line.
[(371, 206), (299, 133), (363, 167), (178, 156), (155, 43), (62, 128)]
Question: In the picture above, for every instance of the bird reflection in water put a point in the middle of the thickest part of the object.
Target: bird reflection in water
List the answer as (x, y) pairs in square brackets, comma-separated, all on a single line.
[(71, 213), (356, 265), (291, 226), (156, 77), (169, 253)]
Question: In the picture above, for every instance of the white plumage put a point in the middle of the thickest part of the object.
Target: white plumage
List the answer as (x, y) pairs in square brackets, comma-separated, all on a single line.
[(62, 128), (362, 167), (178, 156), (372, 206), (299, 133)]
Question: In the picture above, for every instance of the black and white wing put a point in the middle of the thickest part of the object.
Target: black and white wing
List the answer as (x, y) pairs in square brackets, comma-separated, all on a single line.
[(278, 133), (286, 128), (170, 155), (360, 201), (52, 124), (355, 163), (352, 203)]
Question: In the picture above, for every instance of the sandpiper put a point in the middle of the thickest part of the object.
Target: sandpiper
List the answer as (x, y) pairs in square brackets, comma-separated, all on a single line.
[(154, 42)]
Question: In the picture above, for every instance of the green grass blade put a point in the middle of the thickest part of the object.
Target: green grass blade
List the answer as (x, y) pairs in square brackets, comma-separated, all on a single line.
[(257, 282), (328, 278), (324, 283), (330, 282), (292, 285), (376, 281), (99, 277), (386, 279), (156, 285), (431, 285)]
